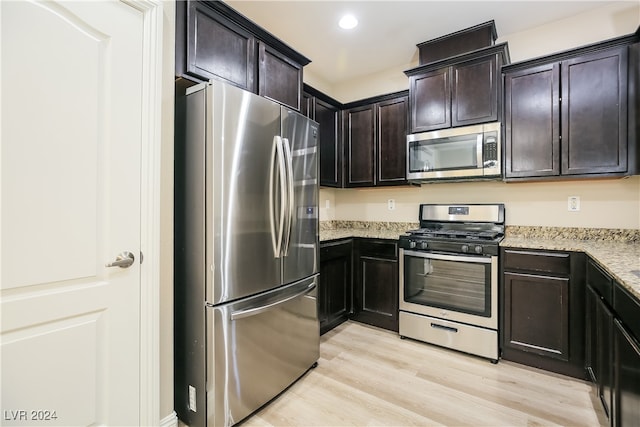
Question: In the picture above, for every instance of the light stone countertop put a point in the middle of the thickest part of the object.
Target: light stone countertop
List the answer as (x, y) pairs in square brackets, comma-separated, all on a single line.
[(344, 233), (620, 259), (620, 256)]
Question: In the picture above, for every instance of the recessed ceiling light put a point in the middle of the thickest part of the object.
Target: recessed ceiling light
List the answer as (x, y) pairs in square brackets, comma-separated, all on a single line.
[(348, 22)]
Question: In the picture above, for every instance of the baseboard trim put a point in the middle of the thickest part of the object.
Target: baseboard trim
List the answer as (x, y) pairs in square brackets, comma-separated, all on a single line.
[(170, 420)]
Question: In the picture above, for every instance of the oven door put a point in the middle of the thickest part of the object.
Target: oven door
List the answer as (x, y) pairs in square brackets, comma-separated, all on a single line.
[(460, 288)]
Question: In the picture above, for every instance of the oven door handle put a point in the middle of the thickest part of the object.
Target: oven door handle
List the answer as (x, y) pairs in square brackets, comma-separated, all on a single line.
[(444, 257)]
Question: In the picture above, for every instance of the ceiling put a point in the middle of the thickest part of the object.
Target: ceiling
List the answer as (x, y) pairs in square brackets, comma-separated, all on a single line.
[(388, 31)]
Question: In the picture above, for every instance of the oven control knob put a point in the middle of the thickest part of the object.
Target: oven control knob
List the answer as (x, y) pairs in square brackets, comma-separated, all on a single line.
[(465, 248), (478, 249), (412, 244), (424, 245)]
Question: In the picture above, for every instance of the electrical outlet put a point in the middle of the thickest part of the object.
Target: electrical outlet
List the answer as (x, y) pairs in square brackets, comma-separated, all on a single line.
[(327, 204), (391, 204), (573, 203)]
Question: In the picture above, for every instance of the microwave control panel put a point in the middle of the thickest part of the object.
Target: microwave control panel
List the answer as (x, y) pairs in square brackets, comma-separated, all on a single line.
[(490, 151)]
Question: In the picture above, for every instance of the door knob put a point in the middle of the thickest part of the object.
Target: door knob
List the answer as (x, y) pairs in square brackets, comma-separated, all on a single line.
[(123, 260)]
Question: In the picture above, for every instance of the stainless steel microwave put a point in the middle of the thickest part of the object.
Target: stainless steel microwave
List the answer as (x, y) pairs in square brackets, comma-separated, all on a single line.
[(458, 153)]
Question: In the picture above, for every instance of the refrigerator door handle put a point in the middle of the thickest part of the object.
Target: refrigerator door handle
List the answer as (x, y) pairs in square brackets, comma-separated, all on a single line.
[(277, 156), (240, 314), (290, 200)]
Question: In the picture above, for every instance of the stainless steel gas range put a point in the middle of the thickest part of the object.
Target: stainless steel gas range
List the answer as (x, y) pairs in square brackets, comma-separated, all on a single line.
[(449, 277)]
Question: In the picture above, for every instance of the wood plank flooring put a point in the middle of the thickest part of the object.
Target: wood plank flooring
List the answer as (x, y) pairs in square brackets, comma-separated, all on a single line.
[(370, 377)]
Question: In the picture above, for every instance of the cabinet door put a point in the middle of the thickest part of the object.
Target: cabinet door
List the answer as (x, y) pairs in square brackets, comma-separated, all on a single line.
[(543, 321), (328, 117), (392, 141), (532, 122), (279, 78), (376, 284), (627, 377), (599, 347), (474, 96), (360, 148), (307, 107), (217, 48), (334, 289), (594, 113), (537, 314), (430, 100)]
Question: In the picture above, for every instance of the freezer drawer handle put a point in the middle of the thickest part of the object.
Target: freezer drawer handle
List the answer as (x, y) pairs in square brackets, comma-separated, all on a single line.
[(446, 328), (257, 310)]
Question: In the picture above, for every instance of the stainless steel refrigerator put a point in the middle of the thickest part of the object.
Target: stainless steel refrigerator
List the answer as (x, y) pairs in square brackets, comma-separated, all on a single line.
[(246, 252)]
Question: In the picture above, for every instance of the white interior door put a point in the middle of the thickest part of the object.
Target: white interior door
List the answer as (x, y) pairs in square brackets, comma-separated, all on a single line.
[(71, 102)]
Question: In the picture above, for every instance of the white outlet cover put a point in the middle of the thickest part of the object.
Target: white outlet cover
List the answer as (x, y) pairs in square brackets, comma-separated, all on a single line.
[(391, 204), (573, 203)]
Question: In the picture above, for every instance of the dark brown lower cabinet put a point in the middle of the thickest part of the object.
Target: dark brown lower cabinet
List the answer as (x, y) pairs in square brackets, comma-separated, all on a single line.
[(537, 314), (334, 289), (375, 286), (543, 309), (627, 377), (613, 348), (599, 361)]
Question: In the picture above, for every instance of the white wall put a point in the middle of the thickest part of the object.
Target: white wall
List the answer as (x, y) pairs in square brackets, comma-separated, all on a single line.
[(605, 203), (603, 23), (612, 20)]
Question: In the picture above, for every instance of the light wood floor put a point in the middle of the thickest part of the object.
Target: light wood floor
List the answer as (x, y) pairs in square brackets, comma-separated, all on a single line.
[(370, 377)]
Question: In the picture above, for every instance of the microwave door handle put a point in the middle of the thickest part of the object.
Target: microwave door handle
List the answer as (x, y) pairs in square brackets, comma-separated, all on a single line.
[(479, 161)]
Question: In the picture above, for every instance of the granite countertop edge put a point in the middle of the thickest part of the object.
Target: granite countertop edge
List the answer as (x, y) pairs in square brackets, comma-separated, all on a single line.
[(619, 258)]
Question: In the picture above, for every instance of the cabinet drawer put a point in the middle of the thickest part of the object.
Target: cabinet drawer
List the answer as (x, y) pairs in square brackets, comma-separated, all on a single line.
[(540, 262), (600, 281), (627, 308), (335, 249), (378, 249)]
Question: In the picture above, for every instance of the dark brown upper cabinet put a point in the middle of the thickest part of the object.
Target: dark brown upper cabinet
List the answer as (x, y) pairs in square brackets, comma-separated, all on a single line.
[(327, 112), (279, 77), (375, 141), (457, 91), (214, 41), (360, 146), (572, 114), (532, 121), (594, 113)]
